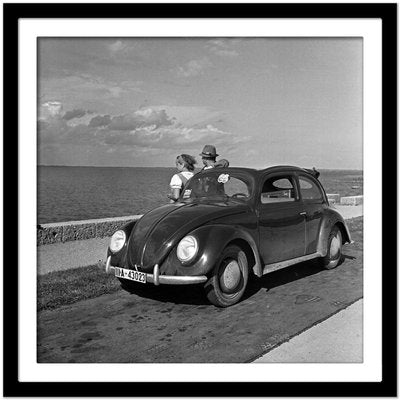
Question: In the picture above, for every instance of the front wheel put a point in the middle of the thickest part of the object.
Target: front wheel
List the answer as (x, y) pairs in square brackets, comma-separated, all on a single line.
[(229, 278), (334, 254)]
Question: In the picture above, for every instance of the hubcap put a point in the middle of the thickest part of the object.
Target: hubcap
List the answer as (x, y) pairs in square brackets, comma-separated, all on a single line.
[(335, 247), (230, 277)]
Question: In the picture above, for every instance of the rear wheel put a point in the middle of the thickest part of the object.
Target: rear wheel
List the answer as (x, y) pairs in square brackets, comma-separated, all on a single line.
[(334, 255), (229, 279)]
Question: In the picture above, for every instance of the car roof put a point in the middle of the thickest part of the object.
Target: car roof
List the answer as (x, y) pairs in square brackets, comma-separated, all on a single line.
[(278, 168), (275, 168)]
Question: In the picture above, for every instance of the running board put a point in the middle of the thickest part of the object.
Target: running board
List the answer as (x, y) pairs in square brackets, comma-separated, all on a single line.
[(283, 264)]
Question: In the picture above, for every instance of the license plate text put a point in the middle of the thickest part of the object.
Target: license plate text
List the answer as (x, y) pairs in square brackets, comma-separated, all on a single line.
[(130, 274)]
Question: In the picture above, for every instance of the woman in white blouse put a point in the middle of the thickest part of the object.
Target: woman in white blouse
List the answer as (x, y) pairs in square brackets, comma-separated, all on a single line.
[(185, 166)]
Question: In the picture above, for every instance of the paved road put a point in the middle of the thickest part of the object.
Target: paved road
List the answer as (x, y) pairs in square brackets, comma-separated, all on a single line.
[(161, 325)]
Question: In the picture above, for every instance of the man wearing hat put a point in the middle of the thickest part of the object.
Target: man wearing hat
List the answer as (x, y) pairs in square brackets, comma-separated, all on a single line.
[(208, 155)]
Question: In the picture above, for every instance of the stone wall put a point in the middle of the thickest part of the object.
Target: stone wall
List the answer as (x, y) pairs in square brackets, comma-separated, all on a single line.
[(352, 200), (80, 230), (334, 198)]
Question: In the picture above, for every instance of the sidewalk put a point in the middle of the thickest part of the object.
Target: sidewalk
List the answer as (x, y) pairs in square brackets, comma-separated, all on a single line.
[(338, 339), (68, 255)]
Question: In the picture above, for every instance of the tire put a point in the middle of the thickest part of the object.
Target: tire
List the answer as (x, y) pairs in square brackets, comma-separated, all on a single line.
[(334, 255), (229, 278)]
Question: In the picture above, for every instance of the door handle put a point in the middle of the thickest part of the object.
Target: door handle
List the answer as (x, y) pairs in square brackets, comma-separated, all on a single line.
[(303, 213)]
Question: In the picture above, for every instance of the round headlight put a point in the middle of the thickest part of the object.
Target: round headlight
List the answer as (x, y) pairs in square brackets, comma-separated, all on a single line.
[(187, 248), (117, 241)]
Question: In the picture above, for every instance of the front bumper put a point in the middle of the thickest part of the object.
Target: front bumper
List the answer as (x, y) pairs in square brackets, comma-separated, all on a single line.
[(158, 279)]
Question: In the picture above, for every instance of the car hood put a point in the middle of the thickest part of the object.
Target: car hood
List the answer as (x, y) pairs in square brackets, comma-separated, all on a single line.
[(158, 231)]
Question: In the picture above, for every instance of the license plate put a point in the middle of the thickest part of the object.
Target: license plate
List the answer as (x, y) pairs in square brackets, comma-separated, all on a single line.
[(130, 274)]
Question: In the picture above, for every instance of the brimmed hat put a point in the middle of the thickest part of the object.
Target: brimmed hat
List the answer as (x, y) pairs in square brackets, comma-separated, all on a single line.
[(209, 151)]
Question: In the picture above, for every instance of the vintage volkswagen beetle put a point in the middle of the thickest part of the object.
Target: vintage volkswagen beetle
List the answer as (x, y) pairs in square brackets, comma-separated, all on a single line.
[(228, 223)]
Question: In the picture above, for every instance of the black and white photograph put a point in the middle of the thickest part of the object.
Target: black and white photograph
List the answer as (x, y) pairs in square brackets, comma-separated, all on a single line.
[(198, 202), (218, 185)]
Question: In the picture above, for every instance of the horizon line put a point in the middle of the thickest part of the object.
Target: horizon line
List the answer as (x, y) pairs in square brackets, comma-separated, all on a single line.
[(172, 167)]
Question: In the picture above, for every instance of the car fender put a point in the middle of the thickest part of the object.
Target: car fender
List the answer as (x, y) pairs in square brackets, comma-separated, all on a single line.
[(331, 218), (212, 239), (119, 259)]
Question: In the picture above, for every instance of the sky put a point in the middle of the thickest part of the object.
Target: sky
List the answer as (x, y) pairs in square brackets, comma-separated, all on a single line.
[(142, 101)]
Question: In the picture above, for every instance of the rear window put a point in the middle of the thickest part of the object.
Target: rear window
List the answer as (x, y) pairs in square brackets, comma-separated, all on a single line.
[(278, 190), (309, 189)]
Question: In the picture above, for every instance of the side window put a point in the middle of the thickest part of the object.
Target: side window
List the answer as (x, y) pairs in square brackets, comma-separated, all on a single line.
[(309, 190), (278, 189)]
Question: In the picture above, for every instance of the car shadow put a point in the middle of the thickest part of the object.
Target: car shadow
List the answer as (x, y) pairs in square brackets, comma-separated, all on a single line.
[(178, 294), (195, 295), (282, 277), (345, 256)]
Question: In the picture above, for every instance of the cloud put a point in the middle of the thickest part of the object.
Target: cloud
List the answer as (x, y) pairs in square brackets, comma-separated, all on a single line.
[(193, 115), (123, 48), (139, 119), (123, 123), (88, 89), (117, 46), (50, 109), (147, 128), (77, 113), (151, 116), (116, 91), (194, 68), (169, 137), (223, 47), (100, 120)]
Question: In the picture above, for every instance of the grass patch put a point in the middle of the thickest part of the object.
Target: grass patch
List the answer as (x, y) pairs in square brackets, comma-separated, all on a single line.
[(67, 287), (355, 226)]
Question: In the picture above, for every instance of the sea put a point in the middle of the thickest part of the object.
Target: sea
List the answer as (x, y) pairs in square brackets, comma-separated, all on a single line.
[(80, 193)]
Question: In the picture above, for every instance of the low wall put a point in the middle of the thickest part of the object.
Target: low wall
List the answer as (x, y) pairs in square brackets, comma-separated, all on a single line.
[(80, 230), (352, 200), (98, 228), (335, 198)]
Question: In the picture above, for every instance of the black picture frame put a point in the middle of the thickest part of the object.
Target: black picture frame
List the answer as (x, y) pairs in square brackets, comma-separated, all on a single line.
[(12, 12)]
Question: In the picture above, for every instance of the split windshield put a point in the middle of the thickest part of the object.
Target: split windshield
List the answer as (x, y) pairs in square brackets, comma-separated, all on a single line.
[(217, 185)]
